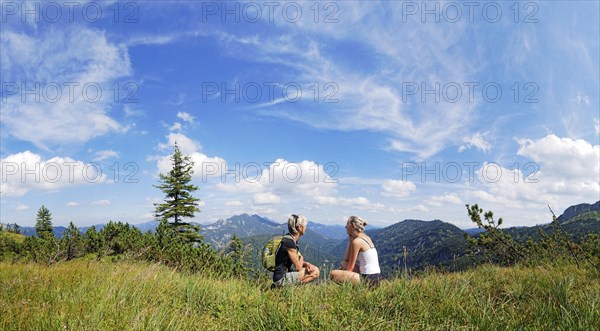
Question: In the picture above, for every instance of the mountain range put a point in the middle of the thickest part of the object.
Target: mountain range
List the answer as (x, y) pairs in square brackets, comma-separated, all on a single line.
[(413, 244)]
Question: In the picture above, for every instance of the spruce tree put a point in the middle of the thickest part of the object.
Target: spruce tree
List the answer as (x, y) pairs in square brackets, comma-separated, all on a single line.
[(71, 241), (179, 202), (43, 223), (237, 256)]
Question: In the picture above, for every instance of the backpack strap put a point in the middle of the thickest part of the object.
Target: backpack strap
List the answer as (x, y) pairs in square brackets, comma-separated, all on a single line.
[(281, 242)]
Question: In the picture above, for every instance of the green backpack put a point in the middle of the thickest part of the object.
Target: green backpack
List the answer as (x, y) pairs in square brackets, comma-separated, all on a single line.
[(270, 252)]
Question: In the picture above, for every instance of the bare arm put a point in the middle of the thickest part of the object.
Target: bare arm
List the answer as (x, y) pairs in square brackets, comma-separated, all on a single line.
[(346, 252), (353, 249), (296, 258)]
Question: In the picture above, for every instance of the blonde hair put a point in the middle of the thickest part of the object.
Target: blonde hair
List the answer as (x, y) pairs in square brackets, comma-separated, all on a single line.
[(357, 223), (294, 221)]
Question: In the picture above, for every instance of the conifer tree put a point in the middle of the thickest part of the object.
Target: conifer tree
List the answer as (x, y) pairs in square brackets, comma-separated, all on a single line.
[(237, 256), (43, 223), (179, 202), (72, 242)]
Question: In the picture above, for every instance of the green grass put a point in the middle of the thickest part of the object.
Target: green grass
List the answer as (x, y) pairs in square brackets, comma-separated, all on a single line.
[(90, 295)]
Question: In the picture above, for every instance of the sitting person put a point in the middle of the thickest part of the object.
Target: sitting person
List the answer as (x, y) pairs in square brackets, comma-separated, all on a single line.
[(288, 254), (360, 260)]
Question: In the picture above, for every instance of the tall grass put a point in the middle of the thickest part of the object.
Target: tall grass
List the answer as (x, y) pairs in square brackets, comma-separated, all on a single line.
[(90, 295)]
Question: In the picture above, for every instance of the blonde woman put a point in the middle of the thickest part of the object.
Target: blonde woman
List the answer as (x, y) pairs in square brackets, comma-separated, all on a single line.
[(288, 255), (361, 263)]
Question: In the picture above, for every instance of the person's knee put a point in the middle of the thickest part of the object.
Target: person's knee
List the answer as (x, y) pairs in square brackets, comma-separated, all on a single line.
[(316, 271), (332, 274)]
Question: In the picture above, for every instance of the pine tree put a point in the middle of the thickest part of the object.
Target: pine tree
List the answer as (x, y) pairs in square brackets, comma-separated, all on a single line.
[(72, 242), (43, 223), (179, 202), (237, 256)]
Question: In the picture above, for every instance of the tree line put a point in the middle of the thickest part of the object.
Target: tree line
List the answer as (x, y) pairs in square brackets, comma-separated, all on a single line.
[(179, 244), (176, 241)]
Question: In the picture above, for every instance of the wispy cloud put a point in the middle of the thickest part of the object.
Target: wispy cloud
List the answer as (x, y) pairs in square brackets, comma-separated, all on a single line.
[(373, 100), (478, 140), (22, 207), (186, 117), (76, 65), (101, 202), (106, 154)]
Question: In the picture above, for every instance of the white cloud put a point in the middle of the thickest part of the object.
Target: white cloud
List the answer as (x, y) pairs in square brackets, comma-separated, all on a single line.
[(325, 200), (70, 113), (132, 110), (101, 202), (582, 99), (186, 117), (376, 100), (266, 198), (72, 204), (478, 141), (440, 200), (564, 157), (564, 172), (186, 145), (175, 127), (204, 166), (27, 171), (106, 154), (419, 208), (22, 207), (281, 177), (275, 183), (146, 216), (233, 203), (397, 188), (361, 203)]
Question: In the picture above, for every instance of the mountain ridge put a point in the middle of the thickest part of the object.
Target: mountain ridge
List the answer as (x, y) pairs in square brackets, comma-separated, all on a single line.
[(427, 243)]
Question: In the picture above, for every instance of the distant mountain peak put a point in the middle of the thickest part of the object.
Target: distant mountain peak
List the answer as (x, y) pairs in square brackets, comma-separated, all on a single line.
[(575, 210)]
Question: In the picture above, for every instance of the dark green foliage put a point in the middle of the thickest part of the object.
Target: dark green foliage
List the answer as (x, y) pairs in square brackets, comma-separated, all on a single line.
[(43, 223), (179, 202), (72, 243), (432, 243), (92, 240), (496, 245), (12, 228), (427, 244), (170, 248), (550, 247), (235, 253), (43, 249), (577, 227), (117, 238), (591, 246)]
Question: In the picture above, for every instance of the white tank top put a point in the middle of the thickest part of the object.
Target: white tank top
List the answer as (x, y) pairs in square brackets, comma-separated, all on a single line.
[(368, 261)]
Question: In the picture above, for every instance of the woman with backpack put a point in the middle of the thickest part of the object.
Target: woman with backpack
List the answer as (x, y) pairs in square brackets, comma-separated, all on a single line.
[(361, 263), (288, 254)]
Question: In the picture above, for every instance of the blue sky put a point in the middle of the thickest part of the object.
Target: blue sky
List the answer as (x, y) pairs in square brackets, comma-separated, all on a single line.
[(387, 110)]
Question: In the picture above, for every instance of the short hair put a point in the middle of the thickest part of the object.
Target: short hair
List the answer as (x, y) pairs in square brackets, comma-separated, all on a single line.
[(295, 220), (358, 223)]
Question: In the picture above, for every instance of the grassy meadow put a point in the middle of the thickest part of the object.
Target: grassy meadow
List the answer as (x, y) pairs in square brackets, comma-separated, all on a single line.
[(92, 295)]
